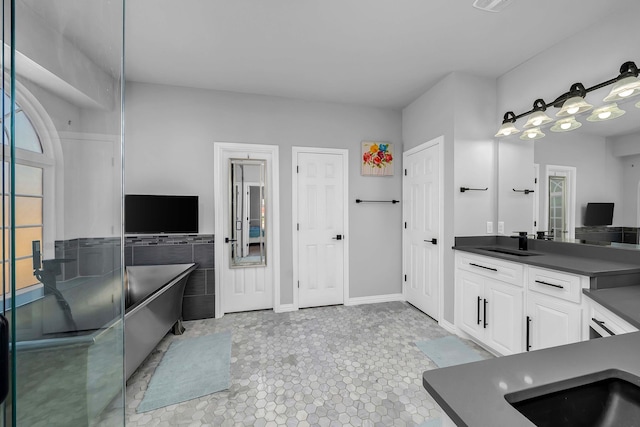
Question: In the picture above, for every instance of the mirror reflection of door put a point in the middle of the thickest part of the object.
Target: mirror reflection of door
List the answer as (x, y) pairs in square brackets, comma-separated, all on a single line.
[(557, 205), (248, 213)]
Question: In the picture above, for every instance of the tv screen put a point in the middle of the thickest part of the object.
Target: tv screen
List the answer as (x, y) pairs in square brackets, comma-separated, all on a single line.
[(598, 214), (145, 214)]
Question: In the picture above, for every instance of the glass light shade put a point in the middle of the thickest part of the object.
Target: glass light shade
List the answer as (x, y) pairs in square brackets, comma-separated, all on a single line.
[(575, 105), (565, 125), (507, 129), (623, 89), (638, 104), (606, 112), (536, 119), (532, 134)]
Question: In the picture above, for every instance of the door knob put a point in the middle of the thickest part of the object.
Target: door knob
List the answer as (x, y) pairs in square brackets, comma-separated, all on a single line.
[(432, 241), (338, 237), (227, 240)]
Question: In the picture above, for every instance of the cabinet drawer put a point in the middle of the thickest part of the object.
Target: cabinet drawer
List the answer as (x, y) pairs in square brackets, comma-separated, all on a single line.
[(610, 320), (557, 284), (505, 271)]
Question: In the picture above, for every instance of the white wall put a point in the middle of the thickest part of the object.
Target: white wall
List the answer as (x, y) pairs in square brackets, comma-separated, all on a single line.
[(631, 190), (598, 171), (460, 108), (170, 133)]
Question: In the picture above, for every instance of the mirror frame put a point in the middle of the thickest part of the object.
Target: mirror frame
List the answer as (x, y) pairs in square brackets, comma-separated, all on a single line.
[(236, 239)]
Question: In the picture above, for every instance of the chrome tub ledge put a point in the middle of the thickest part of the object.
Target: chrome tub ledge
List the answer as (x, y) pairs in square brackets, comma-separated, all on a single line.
[(153, 298)]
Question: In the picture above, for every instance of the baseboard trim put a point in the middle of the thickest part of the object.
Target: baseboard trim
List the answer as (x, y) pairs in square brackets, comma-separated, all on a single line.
[(284, 308), (374, 299), (448, 326)]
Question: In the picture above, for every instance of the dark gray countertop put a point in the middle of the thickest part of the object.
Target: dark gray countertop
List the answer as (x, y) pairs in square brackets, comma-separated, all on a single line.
[(623, 301), (472, 394), (592, 267)]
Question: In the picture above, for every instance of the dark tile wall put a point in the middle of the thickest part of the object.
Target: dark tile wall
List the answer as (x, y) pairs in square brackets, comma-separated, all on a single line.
[(87, 257), (198, 302)]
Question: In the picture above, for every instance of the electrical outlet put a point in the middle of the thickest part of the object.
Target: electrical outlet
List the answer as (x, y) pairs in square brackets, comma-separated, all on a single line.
[(489, 227), (500, 227)]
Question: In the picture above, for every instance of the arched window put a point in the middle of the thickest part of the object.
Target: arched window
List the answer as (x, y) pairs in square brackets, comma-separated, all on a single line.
[(29, 193)]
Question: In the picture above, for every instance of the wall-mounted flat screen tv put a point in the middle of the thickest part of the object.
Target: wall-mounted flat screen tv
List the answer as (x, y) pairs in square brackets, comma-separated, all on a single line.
[(146, 214), (598, 214)]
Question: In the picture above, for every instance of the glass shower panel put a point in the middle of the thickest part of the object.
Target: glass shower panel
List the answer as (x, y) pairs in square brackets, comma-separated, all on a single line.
[(62, 193)]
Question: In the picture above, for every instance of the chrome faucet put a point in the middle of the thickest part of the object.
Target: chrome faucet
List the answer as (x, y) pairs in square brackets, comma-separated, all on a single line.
[(522, 239)]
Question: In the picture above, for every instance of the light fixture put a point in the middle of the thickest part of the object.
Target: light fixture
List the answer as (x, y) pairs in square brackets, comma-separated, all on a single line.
[(508, 127), (532, 134), (627, 83), (606, 112), (575, 103), (566, 124), (638, 104), (538, 117)]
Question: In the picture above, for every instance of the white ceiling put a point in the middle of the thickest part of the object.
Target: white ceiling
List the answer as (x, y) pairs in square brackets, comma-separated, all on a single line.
[(382, 53)]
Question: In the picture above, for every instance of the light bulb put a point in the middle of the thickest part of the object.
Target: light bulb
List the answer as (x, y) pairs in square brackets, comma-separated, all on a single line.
[(604, 115), (625, 93), (531, 135), (573, 110), (537, 122), (565, 126)]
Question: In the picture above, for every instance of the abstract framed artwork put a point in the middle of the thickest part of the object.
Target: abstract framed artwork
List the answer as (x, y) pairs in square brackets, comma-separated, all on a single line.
[(377, 158)]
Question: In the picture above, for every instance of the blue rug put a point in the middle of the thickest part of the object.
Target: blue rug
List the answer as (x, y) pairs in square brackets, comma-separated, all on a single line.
[(448, 351), (191, 368), (436, 422)]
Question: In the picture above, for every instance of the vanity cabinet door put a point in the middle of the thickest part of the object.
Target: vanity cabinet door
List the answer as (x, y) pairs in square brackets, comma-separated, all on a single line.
[(492, 312), (552, 322), (504, 308), (472, 289)]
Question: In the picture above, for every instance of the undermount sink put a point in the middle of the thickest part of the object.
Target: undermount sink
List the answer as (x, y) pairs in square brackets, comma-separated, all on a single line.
[(511, 252), (606, 399)]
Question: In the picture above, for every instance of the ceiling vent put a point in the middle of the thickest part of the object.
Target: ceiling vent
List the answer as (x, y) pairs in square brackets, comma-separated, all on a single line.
[(491, 5)]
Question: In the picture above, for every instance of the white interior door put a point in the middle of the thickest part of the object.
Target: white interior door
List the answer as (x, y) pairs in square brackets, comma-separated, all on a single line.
[(421, 188), (320, 228), (250, 287)]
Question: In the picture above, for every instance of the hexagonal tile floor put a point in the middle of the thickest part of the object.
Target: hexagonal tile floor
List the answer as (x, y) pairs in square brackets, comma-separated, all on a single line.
[(325, 366)]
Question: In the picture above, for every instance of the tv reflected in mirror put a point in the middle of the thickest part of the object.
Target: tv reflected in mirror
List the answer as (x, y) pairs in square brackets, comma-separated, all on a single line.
[(598, 214), (160, 214)]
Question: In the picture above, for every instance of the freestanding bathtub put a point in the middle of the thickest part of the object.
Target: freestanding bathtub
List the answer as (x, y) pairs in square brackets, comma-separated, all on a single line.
[(153, 307)]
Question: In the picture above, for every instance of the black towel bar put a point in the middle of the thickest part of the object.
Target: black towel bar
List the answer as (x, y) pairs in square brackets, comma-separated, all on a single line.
[(463, 189), (377, 201)]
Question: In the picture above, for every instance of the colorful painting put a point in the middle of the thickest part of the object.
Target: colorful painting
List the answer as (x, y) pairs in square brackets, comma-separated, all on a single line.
[(377, 158)]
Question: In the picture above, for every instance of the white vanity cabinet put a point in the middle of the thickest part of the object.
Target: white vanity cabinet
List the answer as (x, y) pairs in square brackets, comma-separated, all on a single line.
[(606, 323), (554, 309), (509, 307), (492, 302)]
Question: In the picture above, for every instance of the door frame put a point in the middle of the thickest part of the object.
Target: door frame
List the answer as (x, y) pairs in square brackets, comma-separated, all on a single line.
[(439, 141), (219, 193), (570, 172), (294, 217)]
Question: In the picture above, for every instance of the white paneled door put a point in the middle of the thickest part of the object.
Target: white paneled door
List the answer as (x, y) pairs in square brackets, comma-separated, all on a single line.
[(320, 227), (421, 193), (250, 287)]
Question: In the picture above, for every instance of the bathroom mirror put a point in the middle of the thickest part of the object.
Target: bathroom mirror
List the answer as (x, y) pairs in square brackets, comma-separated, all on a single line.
[(247, 186), (599, 162)]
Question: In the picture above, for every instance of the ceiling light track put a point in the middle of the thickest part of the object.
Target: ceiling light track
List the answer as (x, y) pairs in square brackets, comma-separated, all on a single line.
[(625, 85)]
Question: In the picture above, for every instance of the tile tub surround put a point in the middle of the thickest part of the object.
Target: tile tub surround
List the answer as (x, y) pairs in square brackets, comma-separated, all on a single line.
[(336, 365), (198, 300), (93, 256)]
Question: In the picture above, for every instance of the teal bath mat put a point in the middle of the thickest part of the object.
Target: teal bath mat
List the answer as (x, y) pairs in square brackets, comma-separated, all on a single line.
[(436, 422), (191, 368), (448, 351)]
